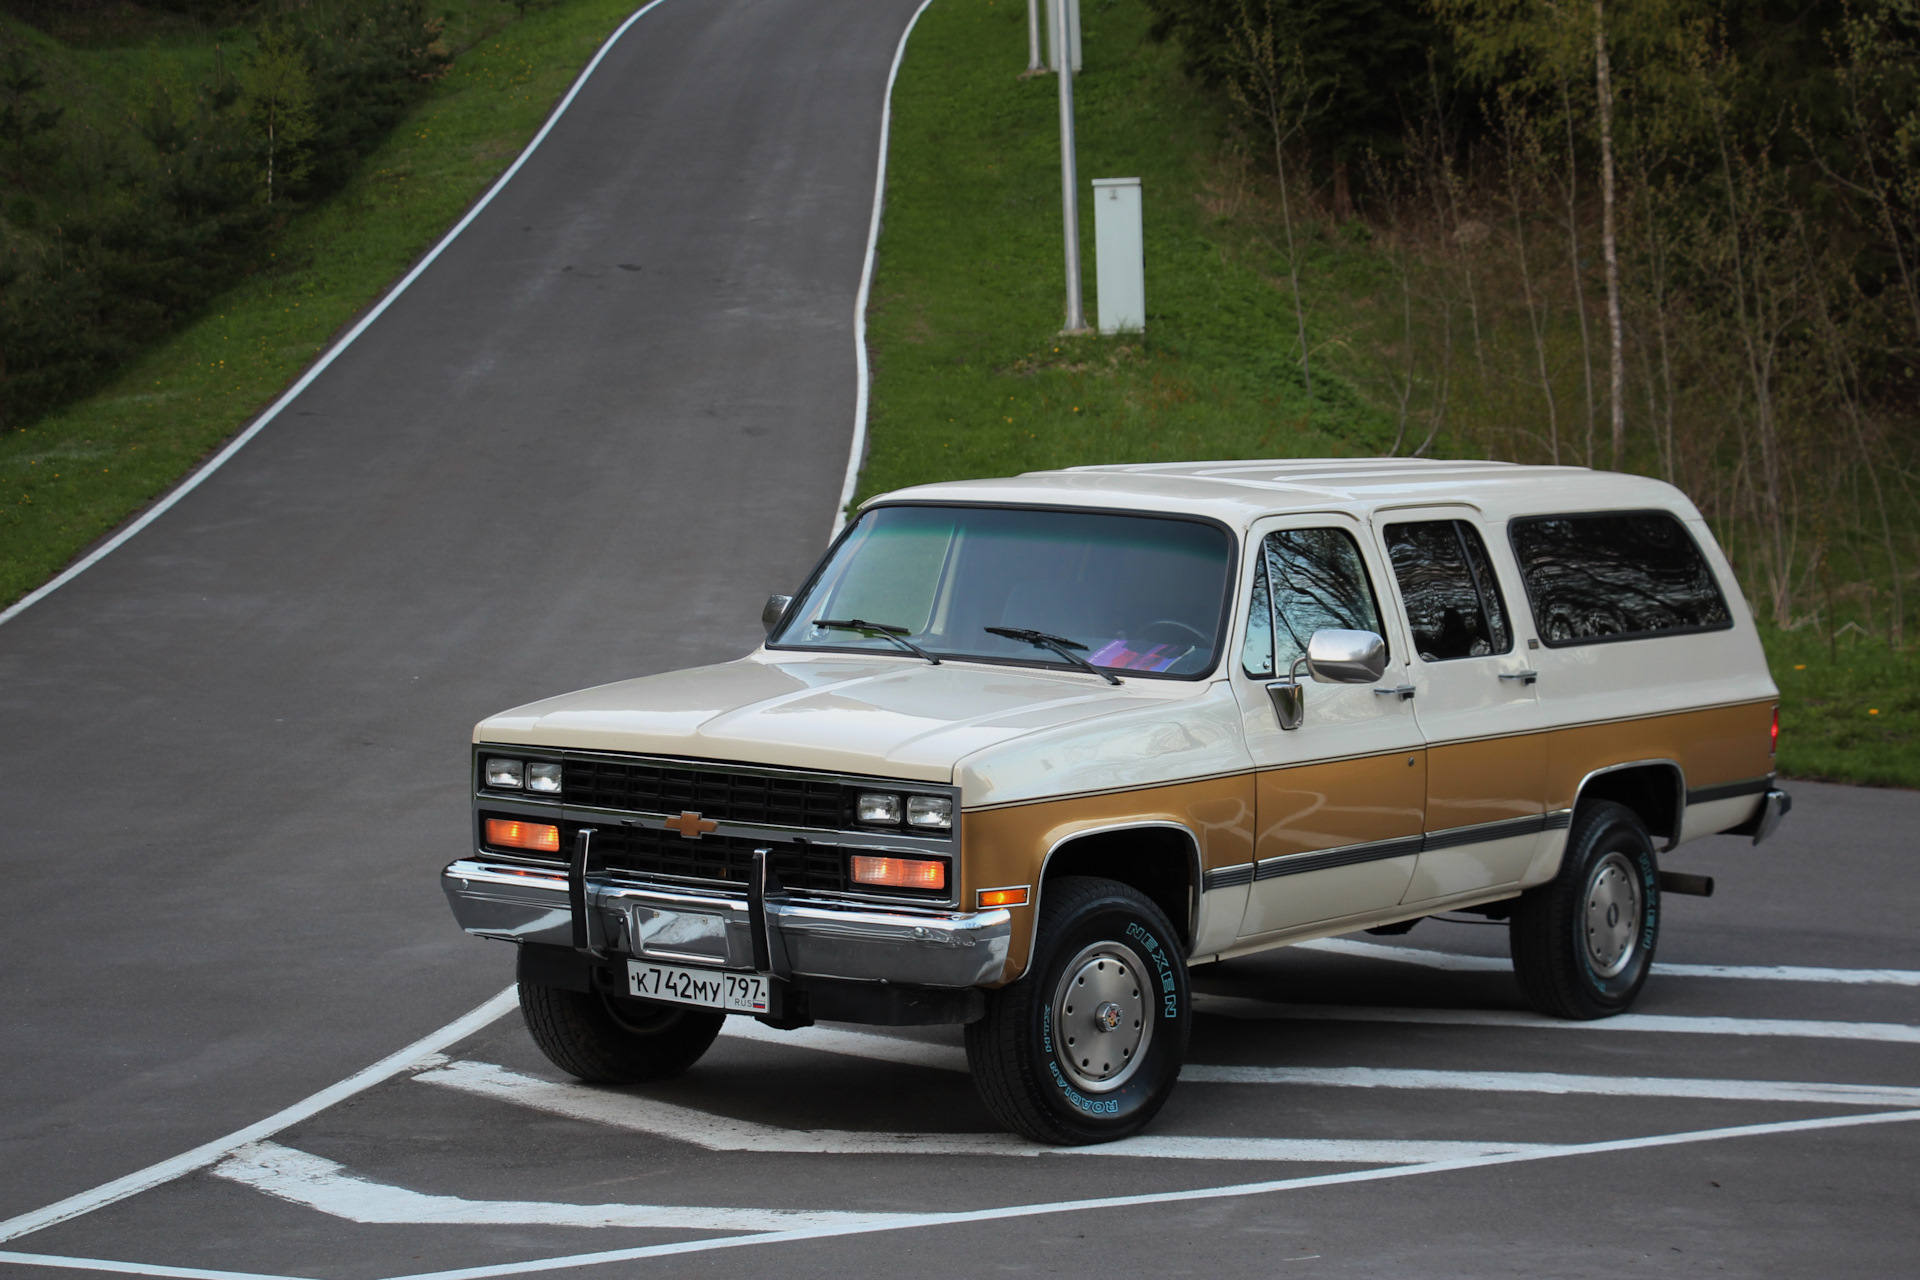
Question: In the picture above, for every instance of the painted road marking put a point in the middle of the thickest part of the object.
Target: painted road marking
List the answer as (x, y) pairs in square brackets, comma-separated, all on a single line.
[(328, 1187), (1851, 1095), (724, 1133), (1242, 1007), (856, 1044), (1236, 1190), (1495, 964), (424, 1050)]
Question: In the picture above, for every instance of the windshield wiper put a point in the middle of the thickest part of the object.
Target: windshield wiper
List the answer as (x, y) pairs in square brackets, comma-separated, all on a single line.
[(1059, 644), (896, 634)]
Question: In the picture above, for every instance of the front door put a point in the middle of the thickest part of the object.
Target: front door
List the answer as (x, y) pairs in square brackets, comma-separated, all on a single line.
[(1475, 702), (1338, 801)]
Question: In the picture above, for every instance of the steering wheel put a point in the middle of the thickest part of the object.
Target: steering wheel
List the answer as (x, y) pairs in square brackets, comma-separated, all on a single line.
[(1200, 638)]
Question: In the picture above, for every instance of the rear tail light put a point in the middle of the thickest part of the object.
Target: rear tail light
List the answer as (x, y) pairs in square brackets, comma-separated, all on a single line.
[(510, 833), (899, 873), (1773, 744)]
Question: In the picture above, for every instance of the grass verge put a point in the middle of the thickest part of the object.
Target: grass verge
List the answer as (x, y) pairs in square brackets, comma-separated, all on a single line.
[(971, 375), (75, 475), (972, 379)]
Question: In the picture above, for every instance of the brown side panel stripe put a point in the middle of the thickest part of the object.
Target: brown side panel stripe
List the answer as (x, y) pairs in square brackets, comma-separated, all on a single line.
[(1379, 850)]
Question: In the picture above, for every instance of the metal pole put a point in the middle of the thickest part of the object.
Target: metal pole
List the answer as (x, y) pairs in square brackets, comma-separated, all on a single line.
[(1069, 171), (1033, 37)]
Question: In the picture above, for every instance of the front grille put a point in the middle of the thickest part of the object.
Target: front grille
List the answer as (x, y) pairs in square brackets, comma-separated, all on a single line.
[(716, 794), (653, 854)]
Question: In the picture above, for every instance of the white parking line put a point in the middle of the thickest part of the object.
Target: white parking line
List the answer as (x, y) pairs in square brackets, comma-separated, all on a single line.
[(322, 1184), (1242, 1007), (1237, 1190), (425, 1049), (855, 1044), (1497, 964), (1851, 1095), (723, 1133)]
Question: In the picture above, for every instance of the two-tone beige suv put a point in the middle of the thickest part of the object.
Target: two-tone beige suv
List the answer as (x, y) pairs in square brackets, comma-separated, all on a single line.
[(1022, 751)]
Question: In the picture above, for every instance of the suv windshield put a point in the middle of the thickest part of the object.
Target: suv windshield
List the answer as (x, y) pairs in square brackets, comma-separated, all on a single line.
[(1142, 594)]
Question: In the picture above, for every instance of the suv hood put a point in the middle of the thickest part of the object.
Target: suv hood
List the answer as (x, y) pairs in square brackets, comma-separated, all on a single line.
[(883, 716)]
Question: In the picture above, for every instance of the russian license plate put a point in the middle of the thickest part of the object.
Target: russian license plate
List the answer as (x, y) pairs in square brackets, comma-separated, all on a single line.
[(710, 988)]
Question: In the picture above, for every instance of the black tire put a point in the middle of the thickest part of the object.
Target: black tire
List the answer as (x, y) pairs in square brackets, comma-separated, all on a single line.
[(1019, 1050), (606, 1040), (1583, 942)]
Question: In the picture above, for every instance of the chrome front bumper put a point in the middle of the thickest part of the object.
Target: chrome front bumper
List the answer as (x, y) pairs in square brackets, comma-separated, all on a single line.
[(933, 948)]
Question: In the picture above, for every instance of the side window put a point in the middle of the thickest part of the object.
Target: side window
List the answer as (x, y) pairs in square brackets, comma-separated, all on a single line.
[(1453, 602), (1304, 580), (1615, 576)]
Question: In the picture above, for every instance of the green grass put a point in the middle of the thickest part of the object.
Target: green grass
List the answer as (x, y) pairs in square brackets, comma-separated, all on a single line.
[(74, 476), (1849, 708), (971, 377)]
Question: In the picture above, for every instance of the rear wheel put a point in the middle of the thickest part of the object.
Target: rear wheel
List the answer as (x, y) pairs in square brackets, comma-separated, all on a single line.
[(1087, 1046), (608, 1040), (1583, 942)]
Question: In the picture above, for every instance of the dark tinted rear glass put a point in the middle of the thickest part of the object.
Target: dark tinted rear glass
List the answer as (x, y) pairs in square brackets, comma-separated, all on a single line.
[(1615, 576), (1453, 604)]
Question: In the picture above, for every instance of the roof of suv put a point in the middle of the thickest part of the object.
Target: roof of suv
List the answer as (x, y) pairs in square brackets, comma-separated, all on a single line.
[(1240, 491)]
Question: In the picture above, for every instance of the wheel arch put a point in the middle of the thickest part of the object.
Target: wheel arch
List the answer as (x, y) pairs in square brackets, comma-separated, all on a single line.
[(1655, 790), (1158, 857)]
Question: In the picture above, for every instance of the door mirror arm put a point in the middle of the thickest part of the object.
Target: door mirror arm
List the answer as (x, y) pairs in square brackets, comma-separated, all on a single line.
[(1333, 656)]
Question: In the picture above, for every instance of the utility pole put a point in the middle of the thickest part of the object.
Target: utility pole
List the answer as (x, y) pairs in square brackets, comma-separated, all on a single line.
[(1069, 170), (1034, 66)]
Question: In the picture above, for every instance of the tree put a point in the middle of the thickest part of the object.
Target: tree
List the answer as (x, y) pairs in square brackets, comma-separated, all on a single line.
[(276, 95)]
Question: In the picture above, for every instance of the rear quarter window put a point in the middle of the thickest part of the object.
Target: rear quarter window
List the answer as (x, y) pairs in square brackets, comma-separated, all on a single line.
[(1616, 575)]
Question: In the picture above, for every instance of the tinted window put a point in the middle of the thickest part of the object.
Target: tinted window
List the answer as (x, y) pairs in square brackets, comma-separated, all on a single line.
[(1132, 593), (1453, 603), (1615, 576), (1304, 580)]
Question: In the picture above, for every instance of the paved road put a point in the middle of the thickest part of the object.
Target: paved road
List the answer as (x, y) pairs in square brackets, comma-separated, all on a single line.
[(236, 759), (585, 445)]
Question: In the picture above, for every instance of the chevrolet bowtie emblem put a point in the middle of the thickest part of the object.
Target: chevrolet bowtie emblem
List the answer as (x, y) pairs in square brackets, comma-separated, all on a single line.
[(690, 825)]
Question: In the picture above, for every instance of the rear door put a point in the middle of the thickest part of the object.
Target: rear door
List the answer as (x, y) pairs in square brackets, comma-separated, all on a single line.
[(1475, 700), (1338, 800)]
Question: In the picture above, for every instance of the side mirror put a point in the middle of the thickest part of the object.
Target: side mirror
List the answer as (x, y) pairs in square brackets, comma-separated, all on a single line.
[(1333, 657), (774, 610), (1346, 657)]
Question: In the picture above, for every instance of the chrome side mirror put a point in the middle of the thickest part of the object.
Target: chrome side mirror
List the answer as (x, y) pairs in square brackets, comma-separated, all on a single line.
[(1332, 657), (1346, 657), (774, 610)]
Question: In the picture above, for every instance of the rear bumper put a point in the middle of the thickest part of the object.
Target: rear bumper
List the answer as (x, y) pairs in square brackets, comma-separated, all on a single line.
[(1774, 806), (933, 948)]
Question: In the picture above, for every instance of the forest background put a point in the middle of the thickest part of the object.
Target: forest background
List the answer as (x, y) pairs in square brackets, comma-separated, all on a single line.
[(1679, 237)]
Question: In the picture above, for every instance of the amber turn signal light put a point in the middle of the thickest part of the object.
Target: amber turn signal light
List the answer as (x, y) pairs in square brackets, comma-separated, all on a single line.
[(899, 873), (507, 833), (1014, 897)]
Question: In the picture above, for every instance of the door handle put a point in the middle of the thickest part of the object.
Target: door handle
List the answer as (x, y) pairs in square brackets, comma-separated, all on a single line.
[(1403, 692), (1524, 677)]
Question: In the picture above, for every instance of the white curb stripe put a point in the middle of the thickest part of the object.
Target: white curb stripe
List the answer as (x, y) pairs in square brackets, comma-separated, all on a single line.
[(1851, 1095), (424, 1050), (1241, 1007), (1010, 1212), (328, 1187), (857, 452), (332, 353), (1495, 964), (723, 1133)]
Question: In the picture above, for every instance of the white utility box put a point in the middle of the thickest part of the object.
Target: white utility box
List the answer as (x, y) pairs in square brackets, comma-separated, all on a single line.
[(1053, 38), (1120, 253)]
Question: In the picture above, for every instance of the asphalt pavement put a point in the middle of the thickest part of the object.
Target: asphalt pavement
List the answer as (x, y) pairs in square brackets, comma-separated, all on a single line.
[(584, 446)]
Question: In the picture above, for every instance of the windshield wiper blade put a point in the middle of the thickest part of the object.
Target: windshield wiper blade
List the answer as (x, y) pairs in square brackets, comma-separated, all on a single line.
[(896, 634), (1059, 644)]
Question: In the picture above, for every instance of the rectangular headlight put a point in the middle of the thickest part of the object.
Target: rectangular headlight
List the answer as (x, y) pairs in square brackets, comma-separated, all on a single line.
[(930, 811), (875, 807), (544, 778), (899, 873), (505, 773)]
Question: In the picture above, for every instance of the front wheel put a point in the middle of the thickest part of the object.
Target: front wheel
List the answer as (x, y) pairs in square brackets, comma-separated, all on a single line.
[(608, 1040), (1087, 1046), (1583, 942)]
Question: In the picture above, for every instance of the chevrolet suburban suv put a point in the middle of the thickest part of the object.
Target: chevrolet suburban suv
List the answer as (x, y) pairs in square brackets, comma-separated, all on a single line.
[(1023, 751)]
